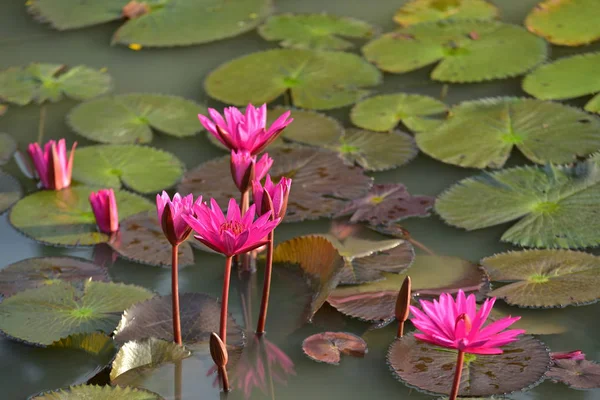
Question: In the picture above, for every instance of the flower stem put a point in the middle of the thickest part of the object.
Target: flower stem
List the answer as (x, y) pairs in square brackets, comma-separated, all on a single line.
[(175, 293), (400, 331), (460, 360), (225, 300), (262, 317), (41, 124), (244, 205), (178, 380), (224, 378)]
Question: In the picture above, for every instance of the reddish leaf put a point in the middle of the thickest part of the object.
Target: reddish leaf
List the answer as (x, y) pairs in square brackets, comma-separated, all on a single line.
[(328, 346), (578, 374)]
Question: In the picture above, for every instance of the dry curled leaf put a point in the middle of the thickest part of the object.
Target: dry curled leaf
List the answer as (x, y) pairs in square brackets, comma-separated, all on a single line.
[(328, 346)]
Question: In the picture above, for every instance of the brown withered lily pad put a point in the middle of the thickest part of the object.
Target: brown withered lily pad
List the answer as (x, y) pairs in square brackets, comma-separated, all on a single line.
[(140, 238), (322, 183), (577, 374), (327, 347), (39, 271), (387, 203)]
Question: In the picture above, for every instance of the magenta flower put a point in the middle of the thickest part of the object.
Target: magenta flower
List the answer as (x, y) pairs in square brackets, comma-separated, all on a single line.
[(174, 227), (53, 166), (245, 168), (575, 355), (104, 206), (231, 235), (458, 325), (278, 193), (241, 132)]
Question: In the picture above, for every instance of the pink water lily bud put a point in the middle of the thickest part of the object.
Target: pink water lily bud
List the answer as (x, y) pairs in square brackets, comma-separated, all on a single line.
[(170, 215), (52, 164), (104, 206), (245, 168), (279, 195), (244, 132), (574, 355)]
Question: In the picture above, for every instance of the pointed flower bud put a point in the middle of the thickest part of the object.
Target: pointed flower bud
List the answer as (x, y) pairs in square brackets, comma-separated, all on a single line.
[(403, 300), (170, 214), (104, 206), (245, 168), (218, 350), (279, 194), (52, 164), (574, 355)]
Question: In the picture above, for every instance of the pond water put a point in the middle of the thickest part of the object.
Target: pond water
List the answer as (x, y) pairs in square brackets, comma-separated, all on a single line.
[(180, 71)]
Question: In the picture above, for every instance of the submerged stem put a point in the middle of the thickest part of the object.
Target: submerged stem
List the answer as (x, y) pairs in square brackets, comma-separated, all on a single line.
[(41, 125), (262, 317), (421, 246), (225, 301), (175, 293), (460, 360)]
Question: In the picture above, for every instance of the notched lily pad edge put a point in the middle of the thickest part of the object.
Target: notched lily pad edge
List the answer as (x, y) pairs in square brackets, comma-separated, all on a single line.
[(21, 193), (69, 388)]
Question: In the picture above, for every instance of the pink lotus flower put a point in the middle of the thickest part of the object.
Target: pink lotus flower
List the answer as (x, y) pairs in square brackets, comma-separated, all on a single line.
[(104, 206), (575, 355), (231, 235), (245, 168), (241, 132), (279, 195), (170, 215), (53, 166), (458, 325)]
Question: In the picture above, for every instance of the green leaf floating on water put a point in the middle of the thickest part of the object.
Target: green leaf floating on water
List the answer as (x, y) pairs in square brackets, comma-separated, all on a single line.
[(317, 80), (431, 368), (71, 14), (97, 344), (382, 113), (315, 31), (43, 82), (417, 11), (482, 133), (7, 147), (91, 392), (10, 191), (467, 51), (115, 166), (65, 217), (130, 118), (555, 205), (565, 22), (545, 278), (48, 313)]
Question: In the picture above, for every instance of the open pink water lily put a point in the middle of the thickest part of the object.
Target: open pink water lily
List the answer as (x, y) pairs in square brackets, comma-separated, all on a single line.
[(170, 214), (245, 168), (279, 194), (232, 234), (247, 132), (52, 164), (104, 206), (458, 325)]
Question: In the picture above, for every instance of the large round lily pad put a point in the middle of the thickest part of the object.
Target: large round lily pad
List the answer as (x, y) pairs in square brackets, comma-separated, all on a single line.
[(322, 183), (65, 217), (10, 191), (327, 347), (577, 374), (431, 368), (482, 133), (91, 392), (565, 22), (130, 118), (545, 278), (467, 51), (417, 11), (116, 165), (39, 271), (7, 146), (48, 313), (317, 80), (315, 31), (43, 82)]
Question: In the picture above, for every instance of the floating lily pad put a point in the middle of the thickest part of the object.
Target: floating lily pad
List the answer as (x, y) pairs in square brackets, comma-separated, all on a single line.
[(417, 11), (130, 118), (555, 205), (65, 217), (315, 31), (71, 14), (577, 374), (328, 346), (91, 392), (545, 278), (468, 51), (140, 238), (10, 191), (7, 146), (323, 182), (594, 104), (317, 80), (383, 113), (3, 109), (116, 165), (43, 82), (39, 271), (482, 133), (565, 22), (97, 344), (49, 313), (430, 276)]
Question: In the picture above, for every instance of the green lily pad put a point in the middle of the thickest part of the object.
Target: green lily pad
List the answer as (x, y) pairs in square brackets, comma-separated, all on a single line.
[(382, 113), (10, 191), (43, 82), (91, 392), (97, 344), (48, 313), (431, 368), (130, 118), (577, 374), (417, 11), (467, 51), (7, 147), (327, 347), (115, 166), (556, 206), (65, 217), (3, 109), (565, 22), (39, 271), (315, 31), (482, 133), (594, 104), (319, 80), (72, 14), (566, 78), (545, 278)]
